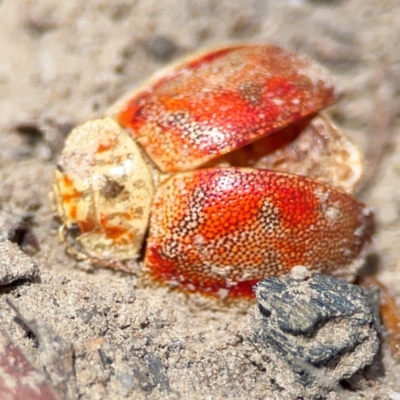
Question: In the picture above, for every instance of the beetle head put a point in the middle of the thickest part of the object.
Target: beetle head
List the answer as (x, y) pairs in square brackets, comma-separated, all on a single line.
[(102, 190)]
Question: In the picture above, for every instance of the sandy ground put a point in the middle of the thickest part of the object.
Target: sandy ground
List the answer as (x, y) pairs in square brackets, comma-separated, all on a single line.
[(62, 63)]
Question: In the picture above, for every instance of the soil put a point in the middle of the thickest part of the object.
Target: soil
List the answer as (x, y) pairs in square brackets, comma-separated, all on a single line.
[(62, 63)]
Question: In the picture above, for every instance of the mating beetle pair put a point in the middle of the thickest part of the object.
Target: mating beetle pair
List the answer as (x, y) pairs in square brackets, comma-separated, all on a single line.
[(193, 155)]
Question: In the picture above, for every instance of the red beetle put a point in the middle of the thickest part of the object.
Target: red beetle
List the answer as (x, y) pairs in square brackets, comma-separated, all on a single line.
[(194, 154)]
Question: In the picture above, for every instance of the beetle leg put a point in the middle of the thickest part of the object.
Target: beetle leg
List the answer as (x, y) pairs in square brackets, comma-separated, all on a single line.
[(389, 312)]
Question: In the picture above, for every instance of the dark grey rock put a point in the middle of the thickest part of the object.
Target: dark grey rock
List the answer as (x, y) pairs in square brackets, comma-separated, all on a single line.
[(313, 331), (156, 369)]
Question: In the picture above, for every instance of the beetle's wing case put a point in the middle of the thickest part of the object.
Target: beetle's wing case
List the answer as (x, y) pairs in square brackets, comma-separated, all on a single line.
[(227, 228), (222, 100), (103, 190)]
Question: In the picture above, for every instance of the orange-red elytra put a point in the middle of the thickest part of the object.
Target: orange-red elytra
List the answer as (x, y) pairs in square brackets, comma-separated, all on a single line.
[(236, 225), (221, 101), (226, 164)]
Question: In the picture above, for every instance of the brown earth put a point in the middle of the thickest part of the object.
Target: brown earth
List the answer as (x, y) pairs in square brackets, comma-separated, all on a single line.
[(62, 63)]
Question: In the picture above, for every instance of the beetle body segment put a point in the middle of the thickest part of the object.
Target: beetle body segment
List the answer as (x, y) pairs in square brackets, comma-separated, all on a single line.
[(102, 191), (222, 100), (227, 228), (313, 147)]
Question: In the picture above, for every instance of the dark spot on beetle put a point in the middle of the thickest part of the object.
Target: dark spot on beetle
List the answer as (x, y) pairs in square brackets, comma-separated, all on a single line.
[(139, 184), (251, 92), (111, 189), (176, 119), (138, 212), (73, 231)]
